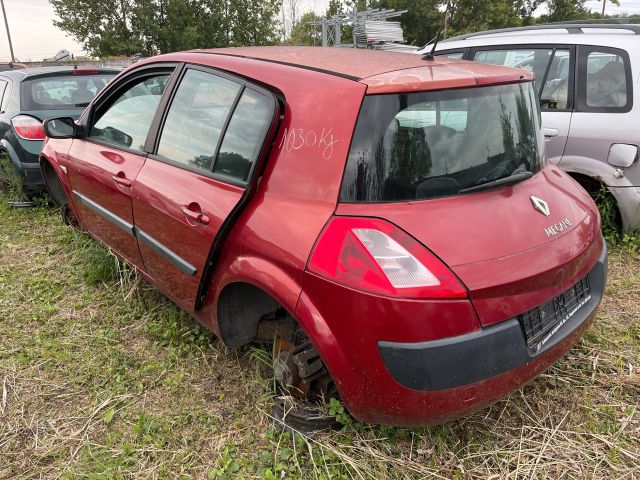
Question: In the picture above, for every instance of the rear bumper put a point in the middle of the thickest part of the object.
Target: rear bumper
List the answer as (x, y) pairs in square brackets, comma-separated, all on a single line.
[(424, 372), (476, 356), (32, 175), (24, 156)]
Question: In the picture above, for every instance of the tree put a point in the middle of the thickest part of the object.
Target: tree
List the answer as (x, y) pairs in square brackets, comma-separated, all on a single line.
[(126, 27), (304, 34), (335, 7), (102, 27), (604, 4), (473, 16), (426, 17), (561, 10), (526, 9), (422, 20)]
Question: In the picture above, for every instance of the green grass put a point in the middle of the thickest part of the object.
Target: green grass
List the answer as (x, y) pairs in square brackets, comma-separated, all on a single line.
[(102, 377), (10, 181)]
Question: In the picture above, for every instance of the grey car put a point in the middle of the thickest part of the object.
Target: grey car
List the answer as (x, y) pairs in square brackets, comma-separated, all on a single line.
[(585, 78)]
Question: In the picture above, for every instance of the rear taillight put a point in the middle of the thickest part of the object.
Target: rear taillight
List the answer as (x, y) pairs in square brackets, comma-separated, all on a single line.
[(28, 128), (374, 255)]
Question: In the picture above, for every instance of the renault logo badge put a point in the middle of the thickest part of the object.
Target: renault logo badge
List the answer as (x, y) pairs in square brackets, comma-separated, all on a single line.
[(541, 206)]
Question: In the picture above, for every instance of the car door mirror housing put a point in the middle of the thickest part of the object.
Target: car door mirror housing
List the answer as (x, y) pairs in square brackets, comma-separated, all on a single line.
[(623, 155), (62, 127)]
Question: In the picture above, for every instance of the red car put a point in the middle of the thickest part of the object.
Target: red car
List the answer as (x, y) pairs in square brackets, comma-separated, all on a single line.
[(390, 220)]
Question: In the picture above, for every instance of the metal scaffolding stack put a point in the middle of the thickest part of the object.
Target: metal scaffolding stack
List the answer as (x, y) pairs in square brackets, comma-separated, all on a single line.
[(378, 31), (370, 28)]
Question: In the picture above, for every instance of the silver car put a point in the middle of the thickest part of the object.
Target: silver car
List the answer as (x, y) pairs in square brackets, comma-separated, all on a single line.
[(585, 78)]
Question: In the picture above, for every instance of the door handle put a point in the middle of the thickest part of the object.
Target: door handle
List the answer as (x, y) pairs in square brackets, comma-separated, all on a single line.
[(120, 179), (550, 132), (196, 216)]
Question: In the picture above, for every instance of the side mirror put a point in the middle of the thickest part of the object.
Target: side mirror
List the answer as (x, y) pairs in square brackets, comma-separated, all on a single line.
[(623, 155), (63, 127), (113, 135), (550, 103)]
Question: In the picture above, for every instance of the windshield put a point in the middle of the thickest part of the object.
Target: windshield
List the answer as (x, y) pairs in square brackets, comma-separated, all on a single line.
[(434, 144), (62, 92)]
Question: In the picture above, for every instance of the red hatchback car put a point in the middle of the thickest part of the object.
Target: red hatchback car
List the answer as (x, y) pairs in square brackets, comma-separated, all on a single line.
[(390, 220)]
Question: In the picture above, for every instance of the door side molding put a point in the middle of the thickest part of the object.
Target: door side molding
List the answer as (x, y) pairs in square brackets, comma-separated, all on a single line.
[(145, 238), (166, 253), (106, 214)]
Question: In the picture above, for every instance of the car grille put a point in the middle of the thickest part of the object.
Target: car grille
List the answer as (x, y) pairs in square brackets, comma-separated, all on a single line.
[(541, 323)]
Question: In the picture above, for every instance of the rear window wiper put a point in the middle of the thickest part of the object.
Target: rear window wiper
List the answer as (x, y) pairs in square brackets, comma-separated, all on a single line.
[(515, 177)]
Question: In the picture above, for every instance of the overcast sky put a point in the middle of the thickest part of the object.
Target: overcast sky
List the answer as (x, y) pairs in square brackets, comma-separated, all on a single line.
[(34, 36)]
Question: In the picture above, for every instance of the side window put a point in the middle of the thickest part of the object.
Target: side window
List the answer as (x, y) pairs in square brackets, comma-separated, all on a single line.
[(605, 81), (445, 113), (555, 92), (126, 122), (196, 119), (456, 55), (243, 138)]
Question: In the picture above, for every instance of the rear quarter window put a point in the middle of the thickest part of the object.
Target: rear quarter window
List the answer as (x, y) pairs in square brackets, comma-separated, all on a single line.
[(243, 138)]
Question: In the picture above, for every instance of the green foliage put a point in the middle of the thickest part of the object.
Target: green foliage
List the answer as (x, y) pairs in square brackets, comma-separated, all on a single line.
[(98, 264), (425, 18), (422, 20), (116, 27), (227, 466), (560, 10), (336, 409), (304, 34), (608, 214), (470, 16)]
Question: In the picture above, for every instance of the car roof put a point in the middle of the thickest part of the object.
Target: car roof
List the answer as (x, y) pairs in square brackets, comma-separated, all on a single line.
[(616, 36), (381, 71), (21, 74)]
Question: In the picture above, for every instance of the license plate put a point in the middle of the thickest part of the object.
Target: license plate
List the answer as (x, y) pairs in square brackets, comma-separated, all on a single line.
[(541, 323)]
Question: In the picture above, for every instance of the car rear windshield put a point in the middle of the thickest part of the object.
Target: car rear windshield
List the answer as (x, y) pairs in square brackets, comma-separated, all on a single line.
[(62, 92), (435, 144)]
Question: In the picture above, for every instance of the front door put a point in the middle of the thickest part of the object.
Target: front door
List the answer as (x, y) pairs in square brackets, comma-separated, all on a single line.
[(103, 166), (205, 153)]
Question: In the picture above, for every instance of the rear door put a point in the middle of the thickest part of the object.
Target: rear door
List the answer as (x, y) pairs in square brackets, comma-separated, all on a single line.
[(206, 150), (553, 67), (604, 113), (103, 165)]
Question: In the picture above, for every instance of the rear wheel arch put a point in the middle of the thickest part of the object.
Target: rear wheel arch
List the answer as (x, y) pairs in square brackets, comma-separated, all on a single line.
[(242, 280), (601, 193), (53, 183), (240, 308), (590, 184)]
